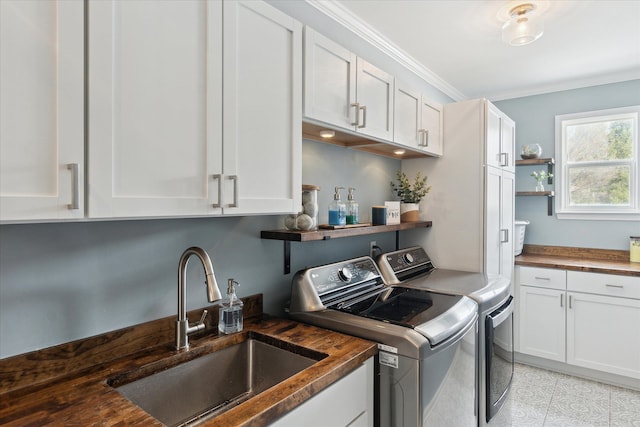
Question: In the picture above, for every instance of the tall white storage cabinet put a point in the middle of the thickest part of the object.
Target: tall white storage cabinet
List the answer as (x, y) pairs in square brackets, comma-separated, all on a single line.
[(158, 143), (41, 110), (471, 202)]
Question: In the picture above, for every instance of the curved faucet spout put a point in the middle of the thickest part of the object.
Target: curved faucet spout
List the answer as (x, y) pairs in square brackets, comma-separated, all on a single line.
[(183, 330)]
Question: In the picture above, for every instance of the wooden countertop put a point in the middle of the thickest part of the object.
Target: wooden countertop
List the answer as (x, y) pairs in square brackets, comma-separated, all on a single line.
[(67, 385), (579, 259)]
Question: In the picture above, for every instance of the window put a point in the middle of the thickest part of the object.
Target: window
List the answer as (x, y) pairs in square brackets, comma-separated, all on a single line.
[(598, 161)]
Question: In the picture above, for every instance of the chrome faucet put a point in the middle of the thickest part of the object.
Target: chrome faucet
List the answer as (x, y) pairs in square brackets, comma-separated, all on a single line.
[(183, 329)]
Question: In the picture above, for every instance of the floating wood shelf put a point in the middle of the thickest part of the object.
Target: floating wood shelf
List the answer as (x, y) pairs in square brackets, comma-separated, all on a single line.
[(550, 162), (550, 195), (289, 236)]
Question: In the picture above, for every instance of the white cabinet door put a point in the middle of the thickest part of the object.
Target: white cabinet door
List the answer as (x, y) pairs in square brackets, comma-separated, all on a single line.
[(262, 109), (542, 322), (500, 144), (41, 110), (493, 190), (348, 402), (329, 80), (374, 96), (407, 116), (154, 107), (499, 208), (507, 209), (431, 130), (603, 333), (417, 121)]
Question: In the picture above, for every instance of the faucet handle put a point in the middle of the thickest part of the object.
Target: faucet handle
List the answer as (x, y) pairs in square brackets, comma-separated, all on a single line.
[(204, 316)]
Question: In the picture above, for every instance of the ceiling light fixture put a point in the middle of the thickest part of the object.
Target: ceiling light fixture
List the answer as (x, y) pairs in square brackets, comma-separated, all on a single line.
[(523, 27), (327, 133)]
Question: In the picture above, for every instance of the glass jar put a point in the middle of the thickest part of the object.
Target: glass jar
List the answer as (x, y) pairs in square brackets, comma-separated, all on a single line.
[(634, 249), (531, 151), (307, 218)]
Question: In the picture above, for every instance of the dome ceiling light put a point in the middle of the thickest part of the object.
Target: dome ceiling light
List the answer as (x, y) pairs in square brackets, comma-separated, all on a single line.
[(523, 27)]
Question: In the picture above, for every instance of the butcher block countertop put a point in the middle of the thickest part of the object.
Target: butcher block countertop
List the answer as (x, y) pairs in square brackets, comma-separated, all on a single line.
[(67, 385), (579, 259)]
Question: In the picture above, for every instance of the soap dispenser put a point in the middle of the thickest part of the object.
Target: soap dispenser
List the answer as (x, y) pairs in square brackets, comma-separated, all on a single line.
[(352, 208), (230, 315), (337, 209)]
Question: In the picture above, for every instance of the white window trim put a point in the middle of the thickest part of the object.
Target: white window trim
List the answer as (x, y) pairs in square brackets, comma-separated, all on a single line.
[(631, 213)]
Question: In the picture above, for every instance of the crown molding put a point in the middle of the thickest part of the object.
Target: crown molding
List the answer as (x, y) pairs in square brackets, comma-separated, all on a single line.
[(566, 85), (353, 23)]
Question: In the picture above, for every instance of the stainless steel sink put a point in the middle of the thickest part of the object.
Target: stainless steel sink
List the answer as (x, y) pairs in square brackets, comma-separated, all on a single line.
[(213, 383)]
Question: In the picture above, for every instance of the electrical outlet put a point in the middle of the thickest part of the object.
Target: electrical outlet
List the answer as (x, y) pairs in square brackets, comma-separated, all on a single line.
[(372, 245)]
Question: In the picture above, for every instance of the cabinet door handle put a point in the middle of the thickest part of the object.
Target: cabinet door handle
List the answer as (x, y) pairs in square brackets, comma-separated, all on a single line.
[(357, 112), (218, 177), (424, 138), (614, 286), (234, 178), (504, 235), (504, 156), (542, 278), (561, 300), (364, 116), (75, 204), (570, 302)]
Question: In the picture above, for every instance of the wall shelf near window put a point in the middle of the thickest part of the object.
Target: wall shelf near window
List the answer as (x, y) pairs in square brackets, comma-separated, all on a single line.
[(549, 161), (549, 195), (289, 236)]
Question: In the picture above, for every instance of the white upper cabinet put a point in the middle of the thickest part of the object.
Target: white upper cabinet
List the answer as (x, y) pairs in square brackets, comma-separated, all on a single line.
[(417, 120), (156, 97), (345, 91), (41, 110), (500, 146), (155, 125), (329, 80), (262, 109), (374, 101)]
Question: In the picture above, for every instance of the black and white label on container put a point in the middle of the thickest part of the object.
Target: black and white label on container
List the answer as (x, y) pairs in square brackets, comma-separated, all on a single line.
[(387, 348), (388, 359)]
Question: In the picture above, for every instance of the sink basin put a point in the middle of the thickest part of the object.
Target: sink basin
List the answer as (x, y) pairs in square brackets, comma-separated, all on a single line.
[(204, 387)]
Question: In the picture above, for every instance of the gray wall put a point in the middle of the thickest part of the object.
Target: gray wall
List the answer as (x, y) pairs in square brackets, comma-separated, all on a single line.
[(535, 123), (60, 282)]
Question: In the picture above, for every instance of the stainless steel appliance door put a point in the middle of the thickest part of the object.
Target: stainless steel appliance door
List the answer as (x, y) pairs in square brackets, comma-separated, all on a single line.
[(498, 356), (438, 390)]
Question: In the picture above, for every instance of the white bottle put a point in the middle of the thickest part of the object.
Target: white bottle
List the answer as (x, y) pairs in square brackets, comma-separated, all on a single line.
[(230, 315)]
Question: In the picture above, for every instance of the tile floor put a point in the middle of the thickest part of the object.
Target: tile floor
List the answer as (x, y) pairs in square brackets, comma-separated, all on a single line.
[(541, 398)]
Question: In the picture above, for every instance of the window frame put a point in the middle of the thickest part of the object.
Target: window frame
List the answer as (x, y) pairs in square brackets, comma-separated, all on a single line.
[(626, 213)]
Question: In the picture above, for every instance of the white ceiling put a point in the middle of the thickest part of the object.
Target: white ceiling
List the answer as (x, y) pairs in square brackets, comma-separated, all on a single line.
[(456, 44)]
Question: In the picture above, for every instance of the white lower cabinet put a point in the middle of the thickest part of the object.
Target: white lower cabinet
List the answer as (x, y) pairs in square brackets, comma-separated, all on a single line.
[(590, 321), (348, 402), (542, 322)]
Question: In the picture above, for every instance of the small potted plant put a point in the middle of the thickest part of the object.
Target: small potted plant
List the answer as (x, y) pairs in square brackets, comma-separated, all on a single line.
[(410, 195), (539, 177)]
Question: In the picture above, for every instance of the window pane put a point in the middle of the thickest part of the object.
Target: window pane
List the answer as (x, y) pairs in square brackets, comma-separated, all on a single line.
[(599, 185), (602, 140)]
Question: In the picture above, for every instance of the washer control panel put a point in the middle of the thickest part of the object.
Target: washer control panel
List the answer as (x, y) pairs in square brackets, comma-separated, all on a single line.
[(405, 259), (332, 277)]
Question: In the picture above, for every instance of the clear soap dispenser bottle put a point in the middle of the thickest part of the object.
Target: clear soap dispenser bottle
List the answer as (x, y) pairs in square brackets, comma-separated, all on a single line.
[(337, 209), (352, 208), (230, 316)]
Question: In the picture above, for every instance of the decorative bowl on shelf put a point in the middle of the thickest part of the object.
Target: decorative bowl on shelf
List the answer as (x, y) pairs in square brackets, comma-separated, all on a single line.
[(531, 151)]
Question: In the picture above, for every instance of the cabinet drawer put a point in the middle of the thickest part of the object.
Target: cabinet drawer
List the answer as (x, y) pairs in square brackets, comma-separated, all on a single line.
[(543, 277), (604, 284)]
